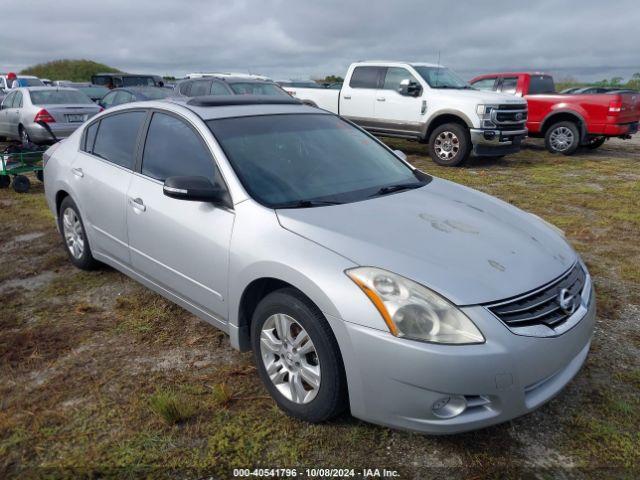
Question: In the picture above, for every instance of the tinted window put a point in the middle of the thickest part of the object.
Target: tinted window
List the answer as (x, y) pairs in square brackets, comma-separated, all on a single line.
[(509, 85), (132, 81), (17, 100), (117, 137), (394, 76), (174, 148), (30, 82), (218, 88), (541, 84), (199, 88), (485, 84), (290, 158), (90, 136), (58, 97), (257, 88), (365, 77)]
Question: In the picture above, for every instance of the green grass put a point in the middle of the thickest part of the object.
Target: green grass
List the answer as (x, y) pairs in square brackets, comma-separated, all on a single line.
[(101, 375)]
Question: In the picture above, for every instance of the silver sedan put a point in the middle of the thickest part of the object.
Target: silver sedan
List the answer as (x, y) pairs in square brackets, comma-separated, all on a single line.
[(44, 114), (357, 281)]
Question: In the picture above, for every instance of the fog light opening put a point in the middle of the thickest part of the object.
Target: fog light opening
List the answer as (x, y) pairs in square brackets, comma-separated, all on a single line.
[(489, 135), (449, 407)]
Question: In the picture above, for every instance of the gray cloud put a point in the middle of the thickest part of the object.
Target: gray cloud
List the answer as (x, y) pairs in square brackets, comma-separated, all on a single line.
[(301, 39)]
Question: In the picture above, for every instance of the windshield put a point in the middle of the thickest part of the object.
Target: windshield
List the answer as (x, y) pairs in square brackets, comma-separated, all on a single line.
[(30, 82), (94, 92), (440, 77), (284, 159), (255, 88), (58, 97)]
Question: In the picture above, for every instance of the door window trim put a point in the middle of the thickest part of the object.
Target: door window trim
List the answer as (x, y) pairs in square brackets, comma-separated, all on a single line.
[(137, 170)]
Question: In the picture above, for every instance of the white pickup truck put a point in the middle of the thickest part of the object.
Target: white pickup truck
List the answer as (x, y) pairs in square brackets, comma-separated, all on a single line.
[(428, 103)]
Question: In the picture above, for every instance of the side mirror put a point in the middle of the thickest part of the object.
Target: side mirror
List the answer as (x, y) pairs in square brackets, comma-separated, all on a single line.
[(400, 154), (198, 189), (409, 88)]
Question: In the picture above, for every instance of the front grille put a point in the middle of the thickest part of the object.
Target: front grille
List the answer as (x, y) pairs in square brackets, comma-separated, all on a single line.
[(511, 116), (542, 307), (512, 106)]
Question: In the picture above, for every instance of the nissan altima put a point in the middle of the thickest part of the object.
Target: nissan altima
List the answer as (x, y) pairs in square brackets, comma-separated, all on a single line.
[(358, 281)]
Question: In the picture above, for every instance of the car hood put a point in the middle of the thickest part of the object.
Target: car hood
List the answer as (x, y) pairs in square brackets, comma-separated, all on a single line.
[(468, 246)]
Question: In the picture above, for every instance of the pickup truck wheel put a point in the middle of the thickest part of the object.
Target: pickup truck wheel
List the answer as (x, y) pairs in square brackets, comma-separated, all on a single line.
[(449, 145), (562, 137), (595, 142), (297, 356)]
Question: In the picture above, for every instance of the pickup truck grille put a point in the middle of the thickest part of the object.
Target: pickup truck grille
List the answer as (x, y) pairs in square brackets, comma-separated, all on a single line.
[(542, 307), (511, 114)]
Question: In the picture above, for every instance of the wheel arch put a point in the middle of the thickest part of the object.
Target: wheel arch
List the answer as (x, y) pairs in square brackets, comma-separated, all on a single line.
[(564, 116), (443, 117)]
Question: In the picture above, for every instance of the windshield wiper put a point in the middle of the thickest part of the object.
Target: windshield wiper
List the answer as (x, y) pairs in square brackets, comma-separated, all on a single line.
[(306, 204), (397, 188)]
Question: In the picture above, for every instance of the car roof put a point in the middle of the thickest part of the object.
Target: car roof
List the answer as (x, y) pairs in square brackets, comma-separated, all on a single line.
[(227, 79), (45, 88)]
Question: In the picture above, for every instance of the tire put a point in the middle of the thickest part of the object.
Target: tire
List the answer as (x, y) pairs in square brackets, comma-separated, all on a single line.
[(562, 137), (40, 175), (300, 315), (21, 184), (24, 136), (450, 145), (5, 181), (74, 233), (595, 142)]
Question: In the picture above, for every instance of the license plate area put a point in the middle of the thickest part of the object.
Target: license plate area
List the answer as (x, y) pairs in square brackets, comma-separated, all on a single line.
[(515, 139), (75, 118)]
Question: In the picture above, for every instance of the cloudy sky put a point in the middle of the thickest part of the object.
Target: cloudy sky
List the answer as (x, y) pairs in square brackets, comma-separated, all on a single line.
[(587, 39)]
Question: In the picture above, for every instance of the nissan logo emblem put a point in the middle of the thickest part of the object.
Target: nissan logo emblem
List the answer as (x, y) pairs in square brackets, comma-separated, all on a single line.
[(568, 302)]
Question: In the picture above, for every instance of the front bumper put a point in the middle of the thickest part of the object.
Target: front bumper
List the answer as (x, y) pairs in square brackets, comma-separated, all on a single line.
[(496, 142), (396, 382)]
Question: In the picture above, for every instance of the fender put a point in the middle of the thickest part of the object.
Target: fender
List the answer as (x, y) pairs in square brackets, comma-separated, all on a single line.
[(570, 111), (446, 111)]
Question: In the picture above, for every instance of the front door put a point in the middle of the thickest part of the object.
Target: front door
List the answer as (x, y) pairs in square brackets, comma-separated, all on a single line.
[(357, 98), (183, 246), (102, 172), (398, 113)]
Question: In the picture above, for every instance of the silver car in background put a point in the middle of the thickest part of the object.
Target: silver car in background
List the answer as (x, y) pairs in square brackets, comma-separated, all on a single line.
[(44, 114), (357, 281)]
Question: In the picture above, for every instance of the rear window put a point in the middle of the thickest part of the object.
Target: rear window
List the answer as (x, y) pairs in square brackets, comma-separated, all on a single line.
[(365, 77), (30, 82), (117, 138), (251, 88), (133, 81), (58, 97), (541, 84)]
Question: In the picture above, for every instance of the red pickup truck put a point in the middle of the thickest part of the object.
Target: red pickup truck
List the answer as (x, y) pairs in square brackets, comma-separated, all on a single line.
[(567, 121)]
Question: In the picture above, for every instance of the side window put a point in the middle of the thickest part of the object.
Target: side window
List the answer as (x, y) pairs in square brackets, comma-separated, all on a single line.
[(185, 88), (117, 137), (394, 76), (2, 84), (509, 85), (17, 100), (174, 148), (218, 88), (199, 88), (484, 84), (8, 100), (365, 77), (122, 97), (89, 137), (107, 100)]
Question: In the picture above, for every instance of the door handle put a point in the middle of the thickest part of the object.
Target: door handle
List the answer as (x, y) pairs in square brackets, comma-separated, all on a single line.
[(77, 172), (381, 99), (137, 204), (347, 97)]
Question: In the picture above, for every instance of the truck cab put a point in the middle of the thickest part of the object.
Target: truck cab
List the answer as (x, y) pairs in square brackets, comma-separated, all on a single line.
[(428, 103)]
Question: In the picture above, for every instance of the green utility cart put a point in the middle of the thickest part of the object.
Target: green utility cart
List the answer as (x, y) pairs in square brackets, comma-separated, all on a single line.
[(17, 161)]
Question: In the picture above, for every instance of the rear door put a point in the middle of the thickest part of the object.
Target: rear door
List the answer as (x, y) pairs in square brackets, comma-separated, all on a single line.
[(5, 113), (358, 97), (101, 174), (180, 245), (395, 112)]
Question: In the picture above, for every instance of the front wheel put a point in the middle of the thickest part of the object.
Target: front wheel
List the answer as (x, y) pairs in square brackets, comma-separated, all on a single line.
[(450, 145), (562, 137), (297, 356)]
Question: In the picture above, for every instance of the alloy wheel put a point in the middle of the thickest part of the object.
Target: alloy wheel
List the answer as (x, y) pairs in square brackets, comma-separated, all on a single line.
[(561, 139), (290, 358), (447, 145), (73, 235)]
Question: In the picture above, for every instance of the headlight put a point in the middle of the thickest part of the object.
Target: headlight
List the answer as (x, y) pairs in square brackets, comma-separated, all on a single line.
[(413, 311), (484, 113)]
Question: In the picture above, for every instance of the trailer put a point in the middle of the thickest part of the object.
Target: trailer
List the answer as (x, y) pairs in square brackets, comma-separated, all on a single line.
[(15, 162)]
